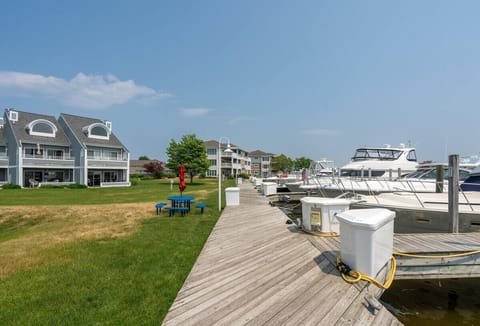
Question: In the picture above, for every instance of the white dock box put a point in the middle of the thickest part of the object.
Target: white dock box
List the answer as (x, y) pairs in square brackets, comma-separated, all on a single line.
[(366, 239), (232, 195), (269, 188), (318, 213), (239, 181), (258, 182)]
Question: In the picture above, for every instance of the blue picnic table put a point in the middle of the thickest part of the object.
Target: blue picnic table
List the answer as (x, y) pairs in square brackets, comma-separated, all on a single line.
[(180, 204)]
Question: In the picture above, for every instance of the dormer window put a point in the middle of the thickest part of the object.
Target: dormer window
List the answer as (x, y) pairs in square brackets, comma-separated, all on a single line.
[(42, 127), (98, 131)]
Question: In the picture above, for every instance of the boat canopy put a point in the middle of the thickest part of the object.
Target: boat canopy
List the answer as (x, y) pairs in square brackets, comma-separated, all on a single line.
[(388, 154)]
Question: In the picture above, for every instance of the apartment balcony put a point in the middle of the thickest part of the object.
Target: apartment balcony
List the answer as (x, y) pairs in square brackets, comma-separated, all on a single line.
[(48, 161), (107, 163)]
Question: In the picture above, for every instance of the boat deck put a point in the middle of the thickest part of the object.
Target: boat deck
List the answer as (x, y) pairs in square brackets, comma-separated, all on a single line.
[(255, 269)]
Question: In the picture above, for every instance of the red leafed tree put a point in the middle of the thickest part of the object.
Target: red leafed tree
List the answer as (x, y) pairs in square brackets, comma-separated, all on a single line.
[(155, 169)]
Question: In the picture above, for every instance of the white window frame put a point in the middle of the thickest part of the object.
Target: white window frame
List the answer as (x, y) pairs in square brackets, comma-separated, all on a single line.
[(89, 128), (32, 124)]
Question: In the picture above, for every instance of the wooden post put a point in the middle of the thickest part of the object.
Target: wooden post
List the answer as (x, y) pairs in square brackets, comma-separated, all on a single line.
[(453, 192), (440, 178)]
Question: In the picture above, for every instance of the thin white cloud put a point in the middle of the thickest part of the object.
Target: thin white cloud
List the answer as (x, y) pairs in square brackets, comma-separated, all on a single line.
[(83, 91), (195, 112), (320, 132), (241, 119)]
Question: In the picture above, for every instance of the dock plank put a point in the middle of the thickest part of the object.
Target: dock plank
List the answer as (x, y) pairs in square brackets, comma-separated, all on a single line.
[(257, 270)]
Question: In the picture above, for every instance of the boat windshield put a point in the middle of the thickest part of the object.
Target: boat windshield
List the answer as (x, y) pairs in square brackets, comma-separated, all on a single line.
[(362, 173), (379, 154)]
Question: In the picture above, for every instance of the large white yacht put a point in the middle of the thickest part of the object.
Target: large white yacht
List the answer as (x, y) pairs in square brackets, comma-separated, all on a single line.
[(379, 163)]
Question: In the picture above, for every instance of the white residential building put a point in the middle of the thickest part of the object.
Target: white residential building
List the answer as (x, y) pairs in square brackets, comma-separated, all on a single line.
[(232, 164)]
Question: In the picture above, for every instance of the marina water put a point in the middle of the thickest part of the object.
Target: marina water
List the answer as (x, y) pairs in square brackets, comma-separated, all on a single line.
[(435, 302)]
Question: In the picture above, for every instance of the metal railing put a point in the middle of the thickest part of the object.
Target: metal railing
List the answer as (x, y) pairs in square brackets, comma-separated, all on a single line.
[(65, 157)]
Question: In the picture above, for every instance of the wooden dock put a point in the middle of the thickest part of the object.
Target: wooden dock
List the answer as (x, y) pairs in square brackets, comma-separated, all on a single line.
[(257, 270)]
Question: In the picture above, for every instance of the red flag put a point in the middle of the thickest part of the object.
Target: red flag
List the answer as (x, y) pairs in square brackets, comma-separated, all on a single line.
[(181, 176)]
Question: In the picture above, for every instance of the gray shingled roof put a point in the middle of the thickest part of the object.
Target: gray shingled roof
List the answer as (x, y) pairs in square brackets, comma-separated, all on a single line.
[(21, 133), (259, 153), (77, 123)]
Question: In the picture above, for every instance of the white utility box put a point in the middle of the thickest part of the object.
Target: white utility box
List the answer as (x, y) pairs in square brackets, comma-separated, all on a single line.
[(258, 182), (239, 181), (269, 188), (232, 195), (318, 213), (366, 239)]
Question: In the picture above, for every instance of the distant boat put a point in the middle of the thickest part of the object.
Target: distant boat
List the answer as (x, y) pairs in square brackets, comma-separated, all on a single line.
[(318, 169)]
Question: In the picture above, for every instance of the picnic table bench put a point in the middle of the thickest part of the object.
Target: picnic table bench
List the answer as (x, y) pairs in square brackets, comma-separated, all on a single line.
[(159, 207), (183, 210), (201, 206)]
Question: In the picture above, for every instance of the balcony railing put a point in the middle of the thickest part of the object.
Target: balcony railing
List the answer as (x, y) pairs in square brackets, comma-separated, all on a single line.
[(65, 157), (106, 158)]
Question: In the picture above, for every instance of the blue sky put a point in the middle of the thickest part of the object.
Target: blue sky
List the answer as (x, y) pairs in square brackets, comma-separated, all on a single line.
[(302, 78)]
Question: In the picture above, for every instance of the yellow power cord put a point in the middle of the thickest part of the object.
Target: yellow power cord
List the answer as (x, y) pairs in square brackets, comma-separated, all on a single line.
[(463, 254), (353, 276)]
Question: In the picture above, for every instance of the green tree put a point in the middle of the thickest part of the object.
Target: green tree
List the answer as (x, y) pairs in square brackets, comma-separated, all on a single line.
[(302, 162), (191, 152), (144, 158), (281, 163)]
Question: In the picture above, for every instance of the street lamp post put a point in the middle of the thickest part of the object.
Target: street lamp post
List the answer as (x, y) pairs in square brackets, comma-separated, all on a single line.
[(219, 168)]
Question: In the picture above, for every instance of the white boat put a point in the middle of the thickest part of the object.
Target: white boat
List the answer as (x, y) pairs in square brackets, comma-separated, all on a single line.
[(424, 179), (281, 180), (318, 169), (425, 212), (472, 183), (381, 162), (369, 163)]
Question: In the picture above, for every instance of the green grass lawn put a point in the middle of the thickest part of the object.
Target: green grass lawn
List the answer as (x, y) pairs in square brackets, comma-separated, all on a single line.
[(145, 191), (113, 278)]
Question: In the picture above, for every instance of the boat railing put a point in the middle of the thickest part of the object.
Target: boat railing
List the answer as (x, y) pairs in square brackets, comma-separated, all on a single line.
[(466, 198), (413, 190)]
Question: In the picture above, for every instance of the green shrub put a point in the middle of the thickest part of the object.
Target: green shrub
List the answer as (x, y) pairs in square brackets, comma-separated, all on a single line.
[(50, 186), (134, 181), (76, 186), (244, 176), (11, 186)]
